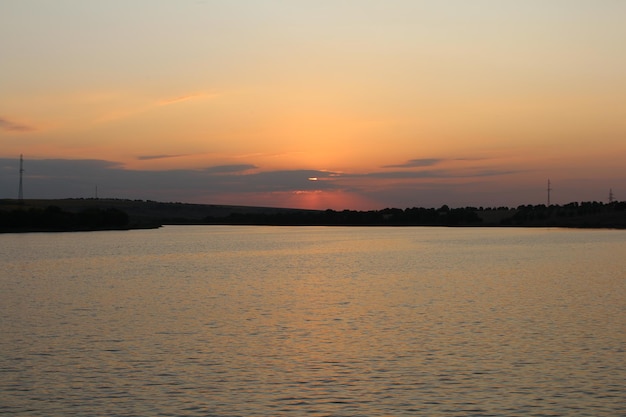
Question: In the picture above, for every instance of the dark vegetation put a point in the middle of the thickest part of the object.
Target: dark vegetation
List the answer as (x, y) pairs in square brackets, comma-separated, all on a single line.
[(578, 215), (52, 218), (103, 214), (581, 215), (443, 216)]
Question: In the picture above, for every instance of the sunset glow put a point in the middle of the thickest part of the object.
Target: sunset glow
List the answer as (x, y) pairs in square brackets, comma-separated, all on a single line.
[(352, 104)]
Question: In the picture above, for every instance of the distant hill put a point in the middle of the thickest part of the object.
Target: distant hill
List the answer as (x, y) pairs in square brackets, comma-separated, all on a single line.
[(142, 214)]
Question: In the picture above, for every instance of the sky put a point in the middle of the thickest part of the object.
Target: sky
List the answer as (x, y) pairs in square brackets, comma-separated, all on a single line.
[(340, 104)]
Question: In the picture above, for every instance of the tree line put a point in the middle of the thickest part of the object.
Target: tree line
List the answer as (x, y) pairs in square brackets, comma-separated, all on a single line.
[(53, 218), (586, 214), (415, 216)]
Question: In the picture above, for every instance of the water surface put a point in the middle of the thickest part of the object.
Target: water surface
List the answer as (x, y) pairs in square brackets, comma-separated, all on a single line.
[(291, 321)]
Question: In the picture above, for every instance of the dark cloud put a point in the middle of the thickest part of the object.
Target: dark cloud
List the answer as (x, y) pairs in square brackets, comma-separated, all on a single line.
[(224, 169), (62, 178), (416, 163), (14, 127), (288, 180), (69, 167), (58, 178)]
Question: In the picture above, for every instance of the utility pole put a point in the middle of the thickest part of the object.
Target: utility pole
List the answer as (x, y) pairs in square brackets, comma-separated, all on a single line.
[(549, 189), (611, 197), (20, 194)]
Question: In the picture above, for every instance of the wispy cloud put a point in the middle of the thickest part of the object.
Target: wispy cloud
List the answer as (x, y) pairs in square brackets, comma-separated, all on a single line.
[(478, 158), (434, 173), (164, 156), (416, 163), (228, 169), (168, 101), (126, 106), (14, 127)]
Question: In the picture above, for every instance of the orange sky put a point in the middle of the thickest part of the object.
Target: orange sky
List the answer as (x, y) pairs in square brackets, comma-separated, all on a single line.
[(400, 103)]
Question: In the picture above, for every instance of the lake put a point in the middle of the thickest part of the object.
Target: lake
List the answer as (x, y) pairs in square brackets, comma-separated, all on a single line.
[(317, 321)]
